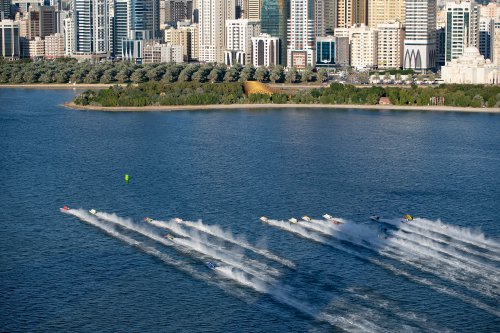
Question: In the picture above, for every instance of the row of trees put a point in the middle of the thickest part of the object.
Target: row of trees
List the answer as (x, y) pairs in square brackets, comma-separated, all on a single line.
[(72, 71), (196, 93), (159, 93)]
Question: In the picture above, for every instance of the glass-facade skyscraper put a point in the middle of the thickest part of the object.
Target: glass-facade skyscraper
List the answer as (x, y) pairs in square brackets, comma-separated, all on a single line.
[(91, 28), (325, 52), (274, 16), (144, 19), (120, 25)]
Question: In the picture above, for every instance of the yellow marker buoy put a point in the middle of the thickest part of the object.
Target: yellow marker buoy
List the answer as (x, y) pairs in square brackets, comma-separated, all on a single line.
[(126, 178)]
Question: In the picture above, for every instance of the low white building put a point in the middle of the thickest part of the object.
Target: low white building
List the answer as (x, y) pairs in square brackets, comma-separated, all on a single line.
[(37, 48), (265, 50), (363, 45), (54, 46), (390, 45), (154, 52), (239, 40), (471, 68)]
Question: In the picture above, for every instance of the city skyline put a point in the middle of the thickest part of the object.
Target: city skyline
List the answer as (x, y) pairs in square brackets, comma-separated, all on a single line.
[(411, 34)]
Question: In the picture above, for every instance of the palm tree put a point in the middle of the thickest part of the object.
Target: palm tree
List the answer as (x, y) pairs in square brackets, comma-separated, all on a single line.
[(277, 74), (322, 75), (261, 74), (307, 74), (292, 75)]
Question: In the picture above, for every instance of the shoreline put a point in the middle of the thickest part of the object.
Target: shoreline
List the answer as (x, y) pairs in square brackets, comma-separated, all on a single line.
[(169, 108), (61, 86)]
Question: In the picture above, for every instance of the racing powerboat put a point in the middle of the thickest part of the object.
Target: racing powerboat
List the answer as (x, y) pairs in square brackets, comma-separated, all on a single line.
[(293, 220), (306, 218), (210, 265), (407, 218), (93, 211), (264, 219), (327, 217), (148, 219), (178, 220), (64, 208), (330, 218), (387, 226), (169, 236)]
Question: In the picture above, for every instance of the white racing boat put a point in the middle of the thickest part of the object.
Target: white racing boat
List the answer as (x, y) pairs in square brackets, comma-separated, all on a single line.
[(306, 218), (293, 220), (264, 219), (330, 218)]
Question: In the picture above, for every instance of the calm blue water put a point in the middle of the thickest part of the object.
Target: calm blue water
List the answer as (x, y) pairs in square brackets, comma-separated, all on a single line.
[(228, 168)]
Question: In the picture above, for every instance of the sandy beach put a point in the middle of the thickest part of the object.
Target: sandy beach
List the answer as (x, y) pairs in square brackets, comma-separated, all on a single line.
[(160, 108)]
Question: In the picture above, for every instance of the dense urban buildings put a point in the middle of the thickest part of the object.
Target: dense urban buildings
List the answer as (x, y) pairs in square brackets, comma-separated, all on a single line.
[(422, 35)]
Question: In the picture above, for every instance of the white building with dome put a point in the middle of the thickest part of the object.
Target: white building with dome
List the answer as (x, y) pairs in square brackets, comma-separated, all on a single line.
[(471, 68)]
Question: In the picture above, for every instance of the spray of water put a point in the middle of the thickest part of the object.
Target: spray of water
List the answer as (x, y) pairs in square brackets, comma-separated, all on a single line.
[(84, 216), (198, 242), (216, 231), (184, 244), (452, 234), (444, 241), (312, 235), (278, 292), (411, 252)]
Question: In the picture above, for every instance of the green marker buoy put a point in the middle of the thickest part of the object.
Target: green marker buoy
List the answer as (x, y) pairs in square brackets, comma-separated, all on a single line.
[(126, 178)]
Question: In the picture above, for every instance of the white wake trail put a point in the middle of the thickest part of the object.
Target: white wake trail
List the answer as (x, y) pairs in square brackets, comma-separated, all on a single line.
[(394, 248), (184, 243), (279, 293), (204, 245), (459, 234), (84, 216), (480, 268), (235, 275), (311, 235), (442, 242), (410, 245), (216, 231)]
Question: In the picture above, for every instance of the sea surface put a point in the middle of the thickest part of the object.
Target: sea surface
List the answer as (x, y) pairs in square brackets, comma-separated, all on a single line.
[(220, 171)]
